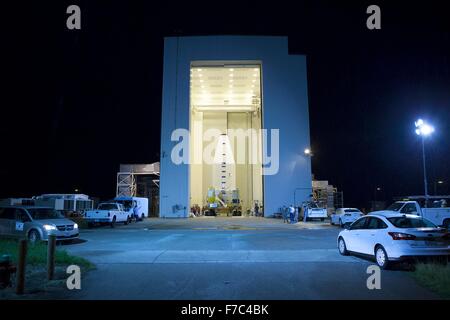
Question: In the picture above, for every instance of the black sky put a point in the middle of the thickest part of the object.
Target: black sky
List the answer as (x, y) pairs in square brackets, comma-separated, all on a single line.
[(79, 103)]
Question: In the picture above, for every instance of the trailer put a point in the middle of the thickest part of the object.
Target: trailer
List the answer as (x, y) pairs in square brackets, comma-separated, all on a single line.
[(136, 206), (69, 204)]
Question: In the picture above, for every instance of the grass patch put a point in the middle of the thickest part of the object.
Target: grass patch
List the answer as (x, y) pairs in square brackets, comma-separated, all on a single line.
[(37, 254), (435, 277)]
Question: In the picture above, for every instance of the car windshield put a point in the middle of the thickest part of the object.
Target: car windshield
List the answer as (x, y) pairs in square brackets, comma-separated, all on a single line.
[(126, 203), (313, 205), (107, 206), (395, 206), (407, 222), (43, 213)]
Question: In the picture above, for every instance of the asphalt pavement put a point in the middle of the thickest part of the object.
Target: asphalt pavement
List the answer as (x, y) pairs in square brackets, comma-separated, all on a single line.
[(228, 258)]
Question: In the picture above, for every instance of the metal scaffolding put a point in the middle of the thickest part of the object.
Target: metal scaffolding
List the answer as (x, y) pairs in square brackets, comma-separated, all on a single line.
[(126, 177)]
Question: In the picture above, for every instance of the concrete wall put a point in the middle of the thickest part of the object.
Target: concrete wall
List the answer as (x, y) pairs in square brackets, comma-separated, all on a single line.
[(285, 107)]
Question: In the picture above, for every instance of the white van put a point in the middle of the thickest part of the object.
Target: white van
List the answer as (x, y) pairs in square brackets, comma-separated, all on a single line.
[(130, 203)]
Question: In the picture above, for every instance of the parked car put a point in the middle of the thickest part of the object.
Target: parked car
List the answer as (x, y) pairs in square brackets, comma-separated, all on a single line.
[(394, 237), (344, 216), (108, 213), (311, 210), (36, 223)]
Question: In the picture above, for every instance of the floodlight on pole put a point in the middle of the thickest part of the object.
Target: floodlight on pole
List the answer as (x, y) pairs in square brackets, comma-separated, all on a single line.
[(423, 130)]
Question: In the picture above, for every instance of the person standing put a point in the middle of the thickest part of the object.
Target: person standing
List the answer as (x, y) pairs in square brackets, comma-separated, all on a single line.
[(291, 213), (285, 213), (256, 209), (136, 211)]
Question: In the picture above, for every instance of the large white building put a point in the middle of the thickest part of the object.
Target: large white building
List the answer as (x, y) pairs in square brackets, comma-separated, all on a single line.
[(234, 123)]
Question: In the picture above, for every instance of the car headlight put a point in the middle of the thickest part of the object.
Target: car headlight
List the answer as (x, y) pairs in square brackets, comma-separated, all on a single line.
[(49, 227), (75, 226)]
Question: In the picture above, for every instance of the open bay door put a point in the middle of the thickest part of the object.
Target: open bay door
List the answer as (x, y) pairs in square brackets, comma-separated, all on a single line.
[(225, 146)]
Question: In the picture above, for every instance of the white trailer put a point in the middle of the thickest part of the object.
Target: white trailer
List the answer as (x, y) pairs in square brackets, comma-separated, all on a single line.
[(68, 203), (136, 206)]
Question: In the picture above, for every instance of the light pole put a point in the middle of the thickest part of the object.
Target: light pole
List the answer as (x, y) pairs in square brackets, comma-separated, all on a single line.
[(423, 130), (308, 154), (435, 185), (377, 189)]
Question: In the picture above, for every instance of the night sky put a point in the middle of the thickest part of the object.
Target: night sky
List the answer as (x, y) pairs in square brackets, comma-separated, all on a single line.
[(76, 104)]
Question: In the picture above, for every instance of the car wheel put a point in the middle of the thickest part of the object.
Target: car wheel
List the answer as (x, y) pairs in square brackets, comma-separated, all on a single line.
[(342, 247), (142, 217), (113, 222), (381, 257), (34, 236), (127, 221), (340, 223)]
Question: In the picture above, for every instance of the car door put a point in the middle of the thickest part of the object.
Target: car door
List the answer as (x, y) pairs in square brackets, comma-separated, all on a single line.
[(334, 216), (120, 213), (21, 223), (409, 208), (354, 235), (4, 223), (372, 234), (7, 219)]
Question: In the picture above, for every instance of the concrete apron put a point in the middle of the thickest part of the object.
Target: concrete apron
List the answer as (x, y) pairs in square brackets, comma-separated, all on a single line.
[(213, 256)]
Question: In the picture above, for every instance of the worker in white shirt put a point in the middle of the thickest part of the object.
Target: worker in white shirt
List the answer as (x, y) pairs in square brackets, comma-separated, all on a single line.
[(291, 213)]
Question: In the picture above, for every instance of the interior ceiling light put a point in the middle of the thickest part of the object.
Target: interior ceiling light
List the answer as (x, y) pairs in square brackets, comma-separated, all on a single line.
[(225, 108)]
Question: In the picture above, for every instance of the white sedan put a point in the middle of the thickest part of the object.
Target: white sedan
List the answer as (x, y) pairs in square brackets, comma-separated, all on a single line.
[(344, 216), (393, 237)]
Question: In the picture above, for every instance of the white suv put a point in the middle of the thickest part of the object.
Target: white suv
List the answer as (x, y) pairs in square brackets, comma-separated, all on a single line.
[(344, 216)]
